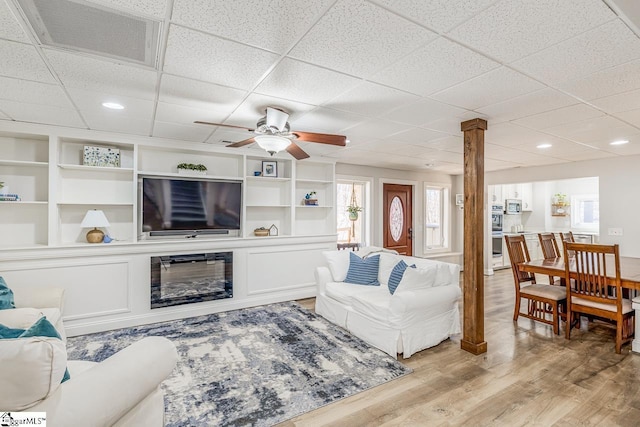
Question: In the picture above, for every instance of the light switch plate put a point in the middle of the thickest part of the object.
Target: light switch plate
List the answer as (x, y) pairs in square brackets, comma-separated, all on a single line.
[(615, 232)]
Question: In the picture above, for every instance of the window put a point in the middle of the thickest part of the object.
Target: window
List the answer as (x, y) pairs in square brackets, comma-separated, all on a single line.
[(436, 217), (585, 211), (349, 230)]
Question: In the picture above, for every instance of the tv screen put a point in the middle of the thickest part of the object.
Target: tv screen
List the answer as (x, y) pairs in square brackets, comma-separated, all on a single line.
[(173, 204)]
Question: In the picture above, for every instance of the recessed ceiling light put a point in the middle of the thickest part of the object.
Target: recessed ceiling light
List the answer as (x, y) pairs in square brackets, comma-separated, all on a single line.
[(620, 142), (113, 105), (546, 145)]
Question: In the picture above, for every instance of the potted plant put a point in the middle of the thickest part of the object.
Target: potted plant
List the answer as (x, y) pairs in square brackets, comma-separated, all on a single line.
[(560, 199), (353, 212), (190, 168)]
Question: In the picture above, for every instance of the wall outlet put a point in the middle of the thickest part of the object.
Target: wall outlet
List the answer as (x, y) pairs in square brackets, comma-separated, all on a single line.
[(615, 232)]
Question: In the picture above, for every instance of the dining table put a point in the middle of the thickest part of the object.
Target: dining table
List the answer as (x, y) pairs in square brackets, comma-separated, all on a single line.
[(629, 278)]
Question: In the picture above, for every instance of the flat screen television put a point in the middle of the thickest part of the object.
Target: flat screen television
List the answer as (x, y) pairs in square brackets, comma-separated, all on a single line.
[(189, 206)]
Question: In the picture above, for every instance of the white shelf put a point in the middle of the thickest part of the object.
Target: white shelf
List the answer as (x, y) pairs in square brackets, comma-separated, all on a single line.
[(268, 206), (267, 178), (178, 175), (22, 163), (97, 203), (313, 207), (313, 181), (24, 202), (94, 168)]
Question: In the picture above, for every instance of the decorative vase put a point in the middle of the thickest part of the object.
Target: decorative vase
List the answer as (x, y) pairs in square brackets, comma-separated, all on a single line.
[(353, 216)]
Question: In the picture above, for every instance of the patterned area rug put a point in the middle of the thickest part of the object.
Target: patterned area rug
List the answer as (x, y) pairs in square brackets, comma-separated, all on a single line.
[(256, 366)]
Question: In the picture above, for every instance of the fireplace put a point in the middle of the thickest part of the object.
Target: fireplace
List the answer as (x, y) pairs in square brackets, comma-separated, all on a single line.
[(190, 278)]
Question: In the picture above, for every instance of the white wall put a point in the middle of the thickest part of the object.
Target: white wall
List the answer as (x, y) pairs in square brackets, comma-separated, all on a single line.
[(381, 176), (619, 178)]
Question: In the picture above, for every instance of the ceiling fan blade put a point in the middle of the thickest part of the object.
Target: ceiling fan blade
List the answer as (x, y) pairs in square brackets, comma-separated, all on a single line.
[(223, 125), (296, 151), (242, 143), (322, 138)]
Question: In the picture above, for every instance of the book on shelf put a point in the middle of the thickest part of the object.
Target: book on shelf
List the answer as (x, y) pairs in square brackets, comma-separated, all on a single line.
[(9, 197)]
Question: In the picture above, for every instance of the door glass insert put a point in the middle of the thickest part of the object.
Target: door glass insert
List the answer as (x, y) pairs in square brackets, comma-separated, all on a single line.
[(396, 218)]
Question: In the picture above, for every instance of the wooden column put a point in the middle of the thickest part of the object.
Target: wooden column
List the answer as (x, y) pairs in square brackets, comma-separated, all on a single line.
[(473, 276)]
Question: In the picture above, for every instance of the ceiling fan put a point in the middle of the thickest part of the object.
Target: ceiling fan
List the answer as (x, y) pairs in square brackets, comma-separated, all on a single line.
[(274, 134)]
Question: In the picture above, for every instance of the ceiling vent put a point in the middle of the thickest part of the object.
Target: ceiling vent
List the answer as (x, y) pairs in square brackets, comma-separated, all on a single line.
[(93, 29)]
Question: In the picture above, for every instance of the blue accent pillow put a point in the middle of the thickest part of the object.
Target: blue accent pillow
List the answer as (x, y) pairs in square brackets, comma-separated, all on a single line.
[(42, 328), (363, 271), (6, 296), (396, 275)]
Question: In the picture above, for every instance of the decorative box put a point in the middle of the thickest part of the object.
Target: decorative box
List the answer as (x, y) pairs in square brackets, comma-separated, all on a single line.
[(101, 156), (311, 202)]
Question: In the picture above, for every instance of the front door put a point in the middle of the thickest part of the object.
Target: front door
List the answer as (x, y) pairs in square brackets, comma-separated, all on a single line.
[(397, 218)]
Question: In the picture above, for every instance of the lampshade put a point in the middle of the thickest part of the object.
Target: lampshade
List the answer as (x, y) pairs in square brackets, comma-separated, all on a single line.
[(94, 218), (272, 143)]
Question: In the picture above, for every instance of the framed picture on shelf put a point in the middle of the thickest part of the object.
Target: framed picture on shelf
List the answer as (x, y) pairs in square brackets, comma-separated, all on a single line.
[(269, 168)]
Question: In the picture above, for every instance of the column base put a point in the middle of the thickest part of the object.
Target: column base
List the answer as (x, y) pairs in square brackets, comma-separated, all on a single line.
[(474, 348)]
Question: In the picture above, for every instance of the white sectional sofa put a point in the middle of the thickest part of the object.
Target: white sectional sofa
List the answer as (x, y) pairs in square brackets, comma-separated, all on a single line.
[(421, 313)]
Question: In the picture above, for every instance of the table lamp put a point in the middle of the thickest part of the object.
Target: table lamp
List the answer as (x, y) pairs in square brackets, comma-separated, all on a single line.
[(94, 218)]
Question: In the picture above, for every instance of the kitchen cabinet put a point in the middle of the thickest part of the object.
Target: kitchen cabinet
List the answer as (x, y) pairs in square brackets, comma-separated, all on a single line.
[(495, 195), (526, 191), (533, 244)]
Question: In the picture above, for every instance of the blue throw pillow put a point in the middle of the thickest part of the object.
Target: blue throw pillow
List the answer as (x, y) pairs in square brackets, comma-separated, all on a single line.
[(42, 328), (6, 296), (363, 271), (396, 275)]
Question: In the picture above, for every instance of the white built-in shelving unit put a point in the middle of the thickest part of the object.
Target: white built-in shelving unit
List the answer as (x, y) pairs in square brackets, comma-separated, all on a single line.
[(57, 189)]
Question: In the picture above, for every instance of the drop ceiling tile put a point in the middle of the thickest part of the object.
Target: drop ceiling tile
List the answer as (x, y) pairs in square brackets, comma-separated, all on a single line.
[(506, 154), (491, 165), (434, 67), (440, 15), (632, 116), (326, 120), (89, 103), (193, 54), (618, 103), (490, 88), (180, 132), (4, 116), (369, 38), (224, 136), (247, 21), (439, 156), (46, 114), (10, 29), (606, 46), (22, 61), (510, 30), (607, 82), (172, 113), (370, 99), (590, 155), (388, 147), (197, 94), (526, 105), (417, 135), (423, 112), (451, 125), (89, 73), (33, 93), (449, 143), (150, 8), (511, 135), (254, 107), (449, 168), (372, 129), (305, 83), (560, 148), (561, 116), (599, 130), (319, 150)]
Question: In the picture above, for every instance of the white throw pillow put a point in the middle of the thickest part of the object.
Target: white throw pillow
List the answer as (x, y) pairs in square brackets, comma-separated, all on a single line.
[(417, 278), (20, 318), (387, 262), (338, 262), (31, 369)]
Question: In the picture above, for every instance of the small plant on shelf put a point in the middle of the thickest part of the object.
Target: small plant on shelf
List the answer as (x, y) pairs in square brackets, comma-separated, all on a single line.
[(190, 167), (560, 199)]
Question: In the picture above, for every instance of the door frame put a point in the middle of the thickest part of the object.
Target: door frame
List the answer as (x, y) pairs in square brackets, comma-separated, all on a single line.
[(416, 215)]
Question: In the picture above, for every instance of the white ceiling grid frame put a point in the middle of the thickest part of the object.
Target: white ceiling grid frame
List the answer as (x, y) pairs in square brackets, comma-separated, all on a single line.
[(497, 85), (370, 38), (611, 81), (560, 116), (23, 62), (268, 25), (42, 114), (608, 45), (619, 103), (154, 9), (445, 62), (513, 29), (424, 111), (30, 92), (371, 99)]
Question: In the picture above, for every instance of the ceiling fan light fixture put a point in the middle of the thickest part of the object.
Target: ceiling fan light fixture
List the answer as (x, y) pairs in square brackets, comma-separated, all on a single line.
[(272, 143)]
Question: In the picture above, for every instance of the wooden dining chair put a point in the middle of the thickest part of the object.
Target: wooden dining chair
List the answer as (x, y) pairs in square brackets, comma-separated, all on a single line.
[(550, 250), (597, 290), (545, 303)]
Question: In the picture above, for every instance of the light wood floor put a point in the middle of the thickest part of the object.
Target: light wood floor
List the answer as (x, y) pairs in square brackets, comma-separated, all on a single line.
[(528, 377)]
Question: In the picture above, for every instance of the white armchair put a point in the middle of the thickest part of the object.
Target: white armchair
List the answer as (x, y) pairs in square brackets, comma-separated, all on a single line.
[(123, 390)]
